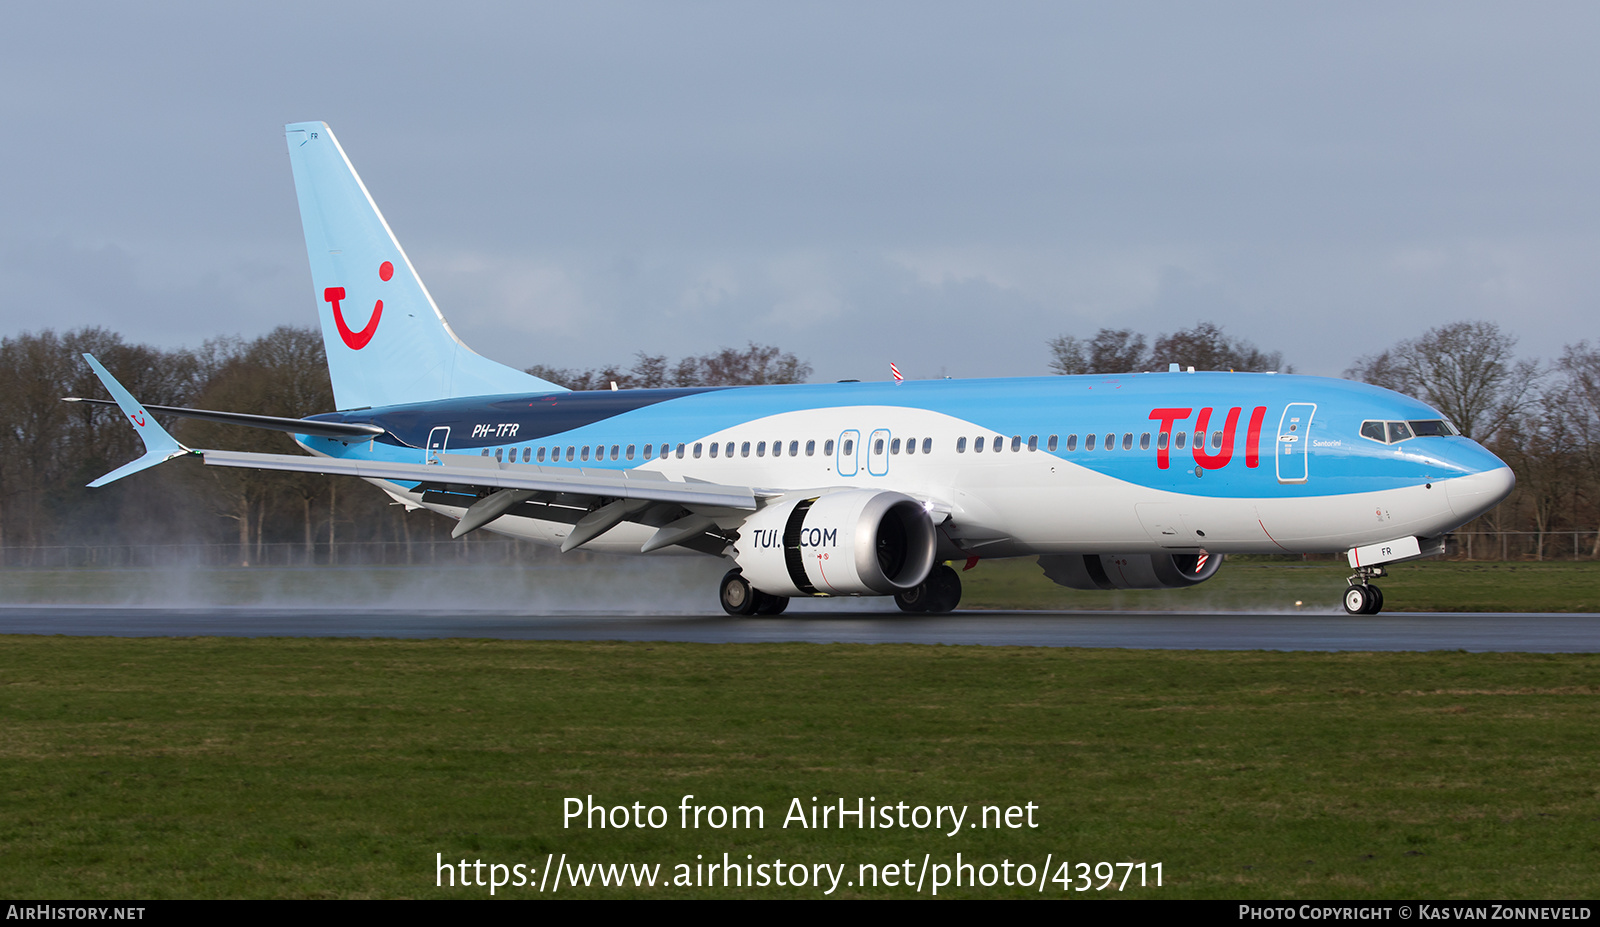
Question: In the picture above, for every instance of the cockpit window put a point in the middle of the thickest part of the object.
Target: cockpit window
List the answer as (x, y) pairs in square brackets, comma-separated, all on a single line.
[(1436, 427), (1395, 432)]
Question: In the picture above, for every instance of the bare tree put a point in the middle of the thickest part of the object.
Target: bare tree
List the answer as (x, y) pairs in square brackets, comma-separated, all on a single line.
[(1111, 350), (1465, 370), (752, 365), (1207, 347)]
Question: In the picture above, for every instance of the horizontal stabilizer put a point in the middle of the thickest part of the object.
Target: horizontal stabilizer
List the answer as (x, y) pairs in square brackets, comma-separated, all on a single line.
[(342, 431)]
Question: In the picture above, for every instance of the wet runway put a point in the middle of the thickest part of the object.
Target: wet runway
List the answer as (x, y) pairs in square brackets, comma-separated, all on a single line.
[(1536, 633)]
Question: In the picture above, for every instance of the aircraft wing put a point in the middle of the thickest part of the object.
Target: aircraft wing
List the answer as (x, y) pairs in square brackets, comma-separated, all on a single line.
[(487, 473)]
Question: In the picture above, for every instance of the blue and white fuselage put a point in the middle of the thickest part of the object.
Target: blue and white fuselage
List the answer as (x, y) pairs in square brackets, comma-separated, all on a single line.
[(1083, 464)]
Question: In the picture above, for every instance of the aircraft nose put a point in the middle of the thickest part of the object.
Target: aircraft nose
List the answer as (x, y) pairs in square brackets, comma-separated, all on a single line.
[(1471, 496)]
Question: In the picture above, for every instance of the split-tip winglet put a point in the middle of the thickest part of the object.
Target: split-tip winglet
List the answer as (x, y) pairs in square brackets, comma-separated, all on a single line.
[(159, 446)]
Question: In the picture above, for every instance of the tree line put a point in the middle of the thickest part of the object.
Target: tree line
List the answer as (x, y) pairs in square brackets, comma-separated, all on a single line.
[(50, 450), (1540, 416)]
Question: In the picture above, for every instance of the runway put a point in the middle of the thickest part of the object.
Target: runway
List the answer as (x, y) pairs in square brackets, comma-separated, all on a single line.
[(1531, 633)]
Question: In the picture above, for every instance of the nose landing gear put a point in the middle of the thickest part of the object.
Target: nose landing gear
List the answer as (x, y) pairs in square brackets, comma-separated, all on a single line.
[(1363, 598)]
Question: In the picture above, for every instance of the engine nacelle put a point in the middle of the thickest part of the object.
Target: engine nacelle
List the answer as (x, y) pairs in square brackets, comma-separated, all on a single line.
[(854, 542), (1130, 571)]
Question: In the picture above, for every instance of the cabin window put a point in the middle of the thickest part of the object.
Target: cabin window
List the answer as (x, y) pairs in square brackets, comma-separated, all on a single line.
[(794, 448), (827, 447), (714, 448), (1181, 438), (665, 451), (696, 451), (1144, 441), (911, 445), (1033, 442), (1016, 443), (777, 448), (486, 452), (1088, 442), (894, 446), (1127, 440), (584, 454), (877, 447), (1111, 443), (998, 445), (1072, 442), (961, 445), (727, 451), (630, 451), (647, 449), (744, 449), (1161, 441), (616, 452), (498, 452), (541, 455), (1216, 439), (927, 445), (849, 447), (811, 448), (1051, 446), (572, 452), (978, 443), (761, 449)]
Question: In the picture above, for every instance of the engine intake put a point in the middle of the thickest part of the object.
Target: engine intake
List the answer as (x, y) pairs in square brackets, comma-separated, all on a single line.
[(1130, 571), (854, 542)]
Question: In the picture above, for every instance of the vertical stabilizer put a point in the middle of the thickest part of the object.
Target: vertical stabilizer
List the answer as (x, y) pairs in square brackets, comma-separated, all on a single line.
[(387, 342)]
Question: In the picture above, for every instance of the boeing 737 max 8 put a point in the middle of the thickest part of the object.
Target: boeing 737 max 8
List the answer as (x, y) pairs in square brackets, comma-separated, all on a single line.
[(1133, 481)]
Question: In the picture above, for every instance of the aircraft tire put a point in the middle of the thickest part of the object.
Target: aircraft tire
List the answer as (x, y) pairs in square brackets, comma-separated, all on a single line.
[(945, 584), (1357, 600), (1376, 596), (738, 597), (771, 604)]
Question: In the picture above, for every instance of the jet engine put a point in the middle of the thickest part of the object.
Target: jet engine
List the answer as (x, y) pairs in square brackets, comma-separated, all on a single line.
[(853, 542), (1130, 571)]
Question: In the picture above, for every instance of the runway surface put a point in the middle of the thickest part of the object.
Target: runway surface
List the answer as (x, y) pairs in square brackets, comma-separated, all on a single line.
[(1535, 633)]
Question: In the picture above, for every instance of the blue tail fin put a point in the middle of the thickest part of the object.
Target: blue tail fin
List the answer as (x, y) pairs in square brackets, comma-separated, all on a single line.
[(387, 342)]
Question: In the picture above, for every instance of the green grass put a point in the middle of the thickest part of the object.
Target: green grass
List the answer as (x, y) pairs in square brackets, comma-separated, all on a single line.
[(1263, 583), (150, 768), (687, 584)]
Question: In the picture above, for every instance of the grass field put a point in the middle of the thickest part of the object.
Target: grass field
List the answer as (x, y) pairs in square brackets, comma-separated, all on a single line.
[(148, 768), (687, 584)]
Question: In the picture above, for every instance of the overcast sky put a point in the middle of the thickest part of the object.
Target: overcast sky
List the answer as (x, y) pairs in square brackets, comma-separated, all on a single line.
[(942, 185)]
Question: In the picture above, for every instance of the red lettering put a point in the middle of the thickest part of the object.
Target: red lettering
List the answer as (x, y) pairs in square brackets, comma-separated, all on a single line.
[(1166, 417), (1252, 437), (355, 340), (1220, 459)]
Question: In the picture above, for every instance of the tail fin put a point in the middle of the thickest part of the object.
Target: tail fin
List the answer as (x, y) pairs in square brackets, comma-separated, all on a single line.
[(387, 342)]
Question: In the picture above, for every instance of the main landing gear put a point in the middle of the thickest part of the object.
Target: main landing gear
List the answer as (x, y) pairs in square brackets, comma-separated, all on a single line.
[(1363, 598), (741, 599), (939, 593)]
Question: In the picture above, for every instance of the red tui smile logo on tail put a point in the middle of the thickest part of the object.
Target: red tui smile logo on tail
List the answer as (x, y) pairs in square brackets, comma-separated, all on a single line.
[(356, 340)]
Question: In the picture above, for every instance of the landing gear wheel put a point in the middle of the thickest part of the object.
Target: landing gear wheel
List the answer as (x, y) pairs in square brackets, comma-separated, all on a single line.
[(770, 604), (1362, 600), (939, 593), (738, 598)]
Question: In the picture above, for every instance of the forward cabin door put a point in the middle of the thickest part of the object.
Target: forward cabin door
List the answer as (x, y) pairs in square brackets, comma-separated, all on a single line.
[(1294, 442), (437, 440)]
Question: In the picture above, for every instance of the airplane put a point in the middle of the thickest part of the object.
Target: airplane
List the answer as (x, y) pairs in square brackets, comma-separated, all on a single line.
[(1136, 481)]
